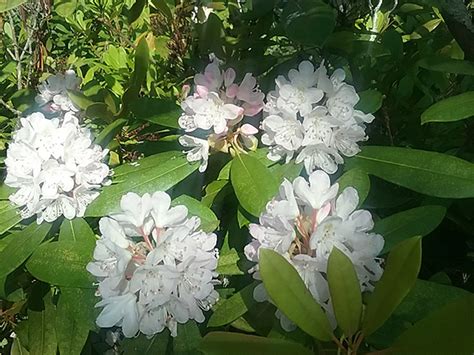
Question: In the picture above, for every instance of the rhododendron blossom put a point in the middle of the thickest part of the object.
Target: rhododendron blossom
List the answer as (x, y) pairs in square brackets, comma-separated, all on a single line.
[(304, 223), (53, 92), (213, 116), (312, 117), (155, 266), (55, 167)]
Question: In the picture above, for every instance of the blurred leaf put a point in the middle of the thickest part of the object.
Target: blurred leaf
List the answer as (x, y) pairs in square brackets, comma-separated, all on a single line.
[(9, 216), (6, 5), (188, 339), (65, 8), (25, 243), (453, 108), (209, 221), (429, 173), (220, 343), (447, 65), (163, 7), (136, 10), (289, 293), (357, 179), (211, 35), (99, 110), (447, 330), (17, 348), (79, 99), (370, 101), (228, 263), (345, 292), (109, 132), (143, 345), (401, 271), (163, 112), (400, 226), (253, 183), (41, 330)]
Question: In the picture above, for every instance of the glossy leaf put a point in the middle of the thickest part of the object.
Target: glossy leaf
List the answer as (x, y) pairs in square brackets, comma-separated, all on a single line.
[(359, 180), (41, 329), (188, 339), (159, 111), (21, 247), (220, 343), (136, 10), (289, 293), (416, 221), (370, 101), (346, 294), (76, 230), (453, 108), (401, 271), (447, 65), (165, 173), (429, 173), (253, 183), (209, 221), (9, 216)]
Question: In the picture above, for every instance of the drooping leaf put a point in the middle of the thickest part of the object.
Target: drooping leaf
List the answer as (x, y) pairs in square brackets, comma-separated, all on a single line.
[(401, 271), (209, 221), (62, 263), (159, 111), (75, 317), (400, 226), (9, 216), (76, 230), (233, 307), (345, 292), (289, 293), (156, 173), (136, 10), (453, 108), (359, 180), (219, 343), (21, 247), (253, 183), (447, 330), (430, 173), (41, 329)]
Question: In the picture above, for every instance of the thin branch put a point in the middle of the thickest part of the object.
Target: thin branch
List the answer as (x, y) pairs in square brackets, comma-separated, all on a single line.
[(10, 108)]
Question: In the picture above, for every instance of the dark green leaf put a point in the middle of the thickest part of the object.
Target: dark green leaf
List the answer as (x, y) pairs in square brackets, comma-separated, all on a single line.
[(109, 132), (213, 190), (359, 180), (289, 293), (136, 10), (400, 226), (447, 65), (41, 329), (399, 276), (9, 216), (209, 221), (163, 112), (77, 230), (188, 339), (370, 101), (156, 345), (79, 99), (453, 108)]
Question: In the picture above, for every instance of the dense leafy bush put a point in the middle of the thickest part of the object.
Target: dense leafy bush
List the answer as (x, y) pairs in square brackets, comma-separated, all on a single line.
[(236, 177)]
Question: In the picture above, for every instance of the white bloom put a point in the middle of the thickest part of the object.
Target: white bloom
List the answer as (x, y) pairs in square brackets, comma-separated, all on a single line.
[(165, 277), (53, 92), (199, 150), (304, 223), (313, 117), (55, 174)]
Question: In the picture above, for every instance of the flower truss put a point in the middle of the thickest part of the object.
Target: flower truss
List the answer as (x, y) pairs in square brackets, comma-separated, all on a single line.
[(304, 223), (53, 92), (55, 167), (155, 267), (212, 117), (311, 116)]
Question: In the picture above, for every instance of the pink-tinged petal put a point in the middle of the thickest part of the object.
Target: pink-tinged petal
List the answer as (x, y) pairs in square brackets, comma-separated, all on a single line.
[(323, 213), (229, 77), (232, 111), (185, 90), (202, 91), (232, 91), (252, 110), (248, 129)]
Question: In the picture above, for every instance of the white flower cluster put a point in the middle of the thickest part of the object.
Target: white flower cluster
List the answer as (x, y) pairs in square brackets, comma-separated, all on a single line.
[(214, 113), (55, 166), (304, 223), (53, 92), (313, 117), (155, 267)]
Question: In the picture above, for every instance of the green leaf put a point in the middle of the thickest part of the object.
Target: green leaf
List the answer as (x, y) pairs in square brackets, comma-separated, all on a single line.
[(447, 65), (41, 329), (163, 7), (209, 221), (136, 10), (9, 216), (65, 8), (233, 307), (17, 348), (62, 263), (163, 112), (453, 108), (75, 317), (188, 339), (370, 101), (142, 61), (109, 132), (79, 99), (399, 276), (448, 330), (167, 171), (6, 5), (228, 263), (429, 173), (345, 292), (222, 343), (76, 230), (25, 243), (400, 226), (309, 22), (99, 110), (253, 184), (6, 191), (156, 345), (213, 190), (359, 180), (289, 293)]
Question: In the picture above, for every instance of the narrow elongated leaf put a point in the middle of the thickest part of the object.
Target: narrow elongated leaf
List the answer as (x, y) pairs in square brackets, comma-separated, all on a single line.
[(359, 180), (6, 5), (109, 132), (345, 292), (166, 172), (233, 307), (253, 183), (399, 276), (430, 173), (400, 226), (25, 242), (76, 230), (79, 99), (453, 108), (75, 317), (9, 216), (209, 221), (41, 329), (447, 65), (219, 343), (159, 111), (62, 263), (448, 330), (136, 10), (289, 293)]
